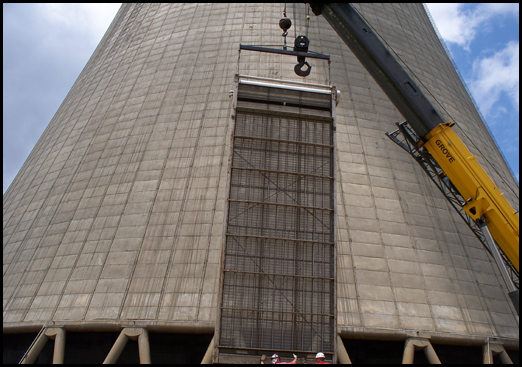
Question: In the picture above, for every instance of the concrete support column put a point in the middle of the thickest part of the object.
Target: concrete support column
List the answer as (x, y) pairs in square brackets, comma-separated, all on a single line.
[(342, 354), (55, 333), (409, 351), (144, 347), (207, 358), (58, 334), (431, 355), (492, 349), (504, 357), (35, 349), (139, 334), (413, 344), (117, 348)]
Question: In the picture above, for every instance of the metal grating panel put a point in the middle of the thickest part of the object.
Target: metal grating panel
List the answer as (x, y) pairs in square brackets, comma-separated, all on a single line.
[(278, 270)]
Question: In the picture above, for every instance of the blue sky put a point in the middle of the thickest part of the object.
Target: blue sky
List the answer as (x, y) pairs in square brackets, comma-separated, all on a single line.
[(46, 46), (484, 43)]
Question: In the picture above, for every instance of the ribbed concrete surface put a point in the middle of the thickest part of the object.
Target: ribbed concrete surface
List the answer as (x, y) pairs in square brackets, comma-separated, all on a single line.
[(117, 214)]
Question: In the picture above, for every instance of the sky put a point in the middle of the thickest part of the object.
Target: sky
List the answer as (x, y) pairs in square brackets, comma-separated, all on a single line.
[(46, 46)]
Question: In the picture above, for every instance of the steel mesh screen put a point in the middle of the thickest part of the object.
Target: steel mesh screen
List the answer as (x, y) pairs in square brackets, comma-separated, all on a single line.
[(284, 128), (278, 271)]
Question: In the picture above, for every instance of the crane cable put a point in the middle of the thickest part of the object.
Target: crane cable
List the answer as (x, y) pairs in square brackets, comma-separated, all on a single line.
[(295, 25), (307, 20), (285, 33), (436, 100)]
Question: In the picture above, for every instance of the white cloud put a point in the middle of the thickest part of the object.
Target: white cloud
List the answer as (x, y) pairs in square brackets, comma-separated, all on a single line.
[(460, 26), (495, 75), (501, 8), (451, 23)]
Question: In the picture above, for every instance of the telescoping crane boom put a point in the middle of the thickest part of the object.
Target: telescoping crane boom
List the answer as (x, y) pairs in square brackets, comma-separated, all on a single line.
[(484, 202)]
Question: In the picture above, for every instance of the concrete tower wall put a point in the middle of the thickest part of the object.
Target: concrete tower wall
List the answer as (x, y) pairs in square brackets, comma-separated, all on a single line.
[(117, 214)]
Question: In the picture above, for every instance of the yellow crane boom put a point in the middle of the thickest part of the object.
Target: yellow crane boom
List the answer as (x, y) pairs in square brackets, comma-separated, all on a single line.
[(483, 198), (484, 203)]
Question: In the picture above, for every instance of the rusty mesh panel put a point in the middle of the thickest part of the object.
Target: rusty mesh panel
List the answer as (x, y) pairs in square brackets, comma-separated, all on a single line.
[(278, 281)]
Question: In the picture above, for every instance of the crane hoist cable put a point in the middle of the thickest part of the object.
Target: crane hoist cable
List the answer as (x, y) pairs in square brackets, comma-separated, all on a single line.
[(307, 20)]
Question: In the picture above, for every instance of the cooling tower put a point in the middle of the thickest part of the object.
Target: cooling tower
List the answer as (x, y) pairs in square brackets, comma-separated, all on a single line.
[(211, 204)]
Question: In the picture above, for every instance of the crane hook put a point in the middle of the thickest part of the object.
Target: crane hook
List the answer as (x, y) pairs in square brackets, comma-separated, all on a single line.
[(301, 44), (298, 68)]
